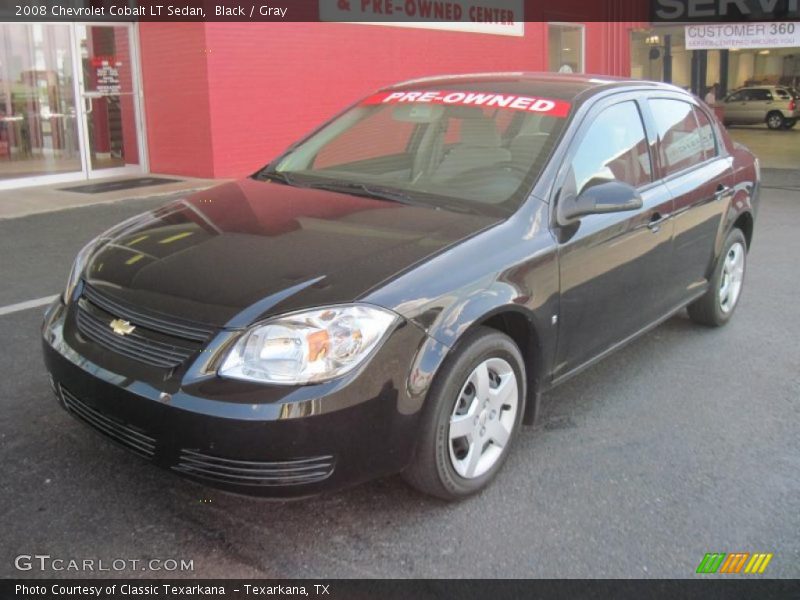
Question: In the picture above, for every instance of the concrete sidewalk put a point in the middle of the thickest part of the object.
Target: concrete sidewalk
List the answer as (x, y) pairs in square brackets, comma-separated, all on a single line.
[(47, 198)]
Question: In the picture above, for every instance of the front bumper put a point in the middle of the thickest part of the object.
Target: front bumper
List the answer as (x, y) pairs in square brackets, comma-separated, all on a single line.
[(244, 437)]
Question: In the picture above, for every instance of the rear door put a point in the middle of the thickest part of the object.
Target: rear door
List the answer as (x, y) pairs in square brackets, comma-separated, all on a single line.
[(612, 265), (692, 164)]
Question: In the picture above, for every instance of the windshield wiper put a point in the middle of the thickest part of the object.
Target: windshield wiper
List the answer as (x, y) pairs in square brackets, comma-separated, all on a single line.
[(364, 189), (280, 177)]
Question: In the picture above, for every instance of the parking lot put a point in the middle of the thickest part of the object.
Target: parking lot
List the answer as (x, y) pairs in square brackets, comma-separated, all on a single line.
[(685, 442), (776, 149)]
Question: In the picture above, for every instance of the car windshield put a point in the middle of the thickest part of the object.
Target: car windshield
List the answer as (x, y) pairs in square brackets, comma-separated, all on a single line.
[(477, 152)]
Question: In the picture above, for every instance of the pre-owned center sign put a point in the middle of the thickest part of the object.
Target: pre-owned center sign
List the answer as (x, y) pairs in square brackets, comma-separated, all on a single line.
[(501, 17), (776, 34)]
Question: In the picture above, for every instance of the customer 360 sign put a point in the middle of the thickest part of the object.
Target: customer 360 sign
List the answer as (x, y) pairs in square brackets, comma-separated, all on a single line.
[(775, 34)]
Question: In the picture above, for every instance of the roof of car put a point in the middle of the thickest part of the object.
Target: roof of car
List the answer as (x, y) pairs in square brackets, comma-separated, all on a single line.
[(556, 85)]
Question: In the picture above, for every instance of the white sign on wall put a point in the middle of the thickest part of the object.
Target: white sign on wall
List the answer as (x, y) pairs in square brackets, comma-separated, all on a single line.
[(498, 17), (775, 34)]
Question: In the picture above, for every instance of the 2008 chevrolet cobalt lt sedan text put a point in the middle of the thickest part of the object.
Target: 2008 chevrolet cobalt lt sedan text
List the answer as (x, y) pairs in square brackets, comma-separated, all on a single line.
[(395, 292)]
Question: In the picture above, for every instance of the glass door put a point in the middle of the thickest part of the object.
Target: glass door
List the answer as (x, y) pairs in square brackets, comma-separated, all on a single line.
[(109, 99), (39, 128)]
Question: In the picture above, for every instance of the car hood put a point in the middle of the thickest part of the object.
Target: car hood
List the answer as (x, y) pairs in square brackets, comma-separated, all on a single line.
[(246, 250)]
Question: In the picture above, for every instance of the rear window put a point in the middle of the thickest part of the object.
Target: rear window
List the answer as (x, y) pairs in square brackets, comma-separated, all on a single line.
[(758, 95), (708, 138), (680, 142)]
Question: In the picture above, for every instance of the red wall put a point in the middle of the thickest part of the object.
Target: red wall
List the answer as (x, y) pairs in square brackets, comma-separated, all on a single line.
[(223, 99), (175, 82)]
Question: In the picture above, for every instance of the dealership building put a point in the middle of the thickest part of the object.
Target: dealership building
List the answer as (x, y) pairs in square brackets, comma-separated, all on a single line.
[(219, 99)]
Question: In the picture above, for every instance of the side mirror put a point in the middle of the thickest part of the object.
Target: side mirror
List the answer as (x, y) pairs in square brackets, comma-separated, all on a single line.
[(607, 197)]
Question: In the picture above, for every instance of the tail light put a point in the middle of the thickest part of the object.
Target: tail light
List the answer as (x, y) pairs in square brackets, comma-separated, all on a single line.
[(791, 104)]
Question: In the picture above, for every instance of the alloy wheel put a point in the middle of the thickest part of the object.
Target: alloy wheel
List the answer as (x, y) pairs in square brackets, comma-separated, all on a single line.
[(483, 418), (732, 277), (775, 121)]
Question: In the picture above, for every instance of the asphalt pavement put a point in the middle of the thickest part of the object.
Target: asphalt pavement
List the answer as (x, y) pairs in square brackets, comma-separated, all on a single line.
[(686, 441)]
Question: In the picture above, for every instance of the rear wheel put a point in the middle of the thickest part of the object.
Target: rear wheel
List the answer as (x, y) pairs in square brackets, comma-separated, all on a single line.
[(716, 306), (789, 123), (775, 120), (473, 412)]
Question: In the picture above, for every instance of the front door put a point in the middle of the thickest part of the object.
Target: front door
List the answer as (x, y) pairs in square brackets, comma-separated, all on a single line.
[(613, 266), (736, 107), (109, 103)]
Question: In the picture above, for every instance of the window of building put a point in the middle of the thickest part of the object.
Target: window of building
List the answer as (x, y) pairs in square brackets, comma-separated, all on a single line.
[(565, 47), (680, 142), (614, 148)]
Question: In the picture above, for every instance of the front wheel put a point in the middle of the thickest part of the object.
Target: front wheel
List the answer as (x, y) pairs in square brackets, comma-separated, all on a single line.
[(716, 306), (473, 412), (775, 120)]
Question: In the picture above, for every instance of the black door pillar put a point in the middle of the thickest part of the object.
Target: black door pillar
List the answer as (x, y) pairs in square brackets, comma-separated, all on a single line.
[(667, 59), (699, 67), (723, 74)]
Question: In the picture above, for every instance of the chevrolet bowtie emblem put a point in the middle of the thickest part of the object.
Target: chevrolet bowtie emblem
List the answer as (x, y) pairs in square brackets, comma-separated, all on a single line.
[(121, 327)]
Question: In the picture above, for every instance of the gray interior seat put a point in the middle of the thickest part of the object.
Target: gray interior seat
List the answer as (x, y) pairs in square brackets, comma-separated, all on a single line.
[(479, 147), (526, 147)]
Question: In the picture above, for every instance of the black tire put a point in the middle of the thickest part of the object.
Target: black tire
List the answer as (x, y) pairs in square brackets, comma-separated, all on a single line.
[(708, 309), (432, 471), (789, 123), (775, 120)]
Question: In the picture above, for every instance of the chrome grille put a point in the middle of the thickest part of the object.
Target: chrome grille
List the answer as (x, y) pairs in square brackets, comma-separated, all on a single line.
[(161, 323), (131, 437), (96, 327), (244, 472)]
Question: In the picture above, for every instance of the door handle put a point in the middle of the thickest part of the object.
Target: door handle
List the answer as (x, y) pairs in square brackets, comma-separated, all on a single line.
[(655, 222), (87, 100), (722, 190)]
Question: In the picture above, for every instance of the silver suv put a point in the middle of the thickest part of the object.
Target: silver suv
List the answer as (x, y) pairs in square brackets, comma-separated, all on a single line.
[(775, 105)]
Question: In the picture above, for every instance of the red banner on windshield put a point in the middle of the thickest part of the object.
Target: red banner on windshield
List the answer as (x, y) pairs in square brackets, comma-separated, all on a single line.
[(546, 106)]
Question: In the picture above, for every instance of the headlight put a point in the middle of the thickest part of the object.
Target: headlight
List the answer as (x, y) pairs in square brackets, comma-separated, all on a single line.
[(308, 347), (77, 268)]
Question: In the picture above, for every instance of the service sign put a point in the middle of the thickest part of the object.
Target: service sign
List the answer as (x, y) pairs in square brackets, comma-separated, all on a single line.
[(498, 17), (776, 34)]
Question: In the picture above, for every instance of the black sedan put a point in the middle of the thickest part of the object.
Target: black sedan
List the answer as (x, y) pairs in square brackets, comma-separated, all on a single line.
[(395, 292)]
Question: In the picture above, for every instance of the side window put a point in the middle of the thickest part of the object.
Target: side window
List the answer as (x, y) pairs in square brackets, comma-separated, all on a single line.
[(708, 140), (735, 97), (760, 95), (614, 148), (680, 145)]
